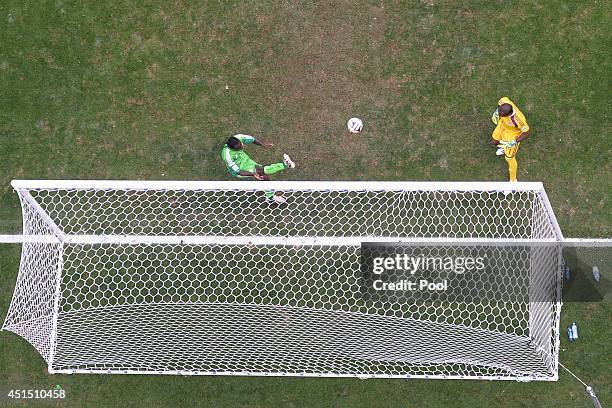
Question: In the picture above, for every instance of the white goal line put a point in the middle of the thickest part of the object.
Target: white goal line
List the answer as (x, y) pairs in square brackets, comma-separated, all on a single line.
[(291, 241), (262, 240), (587, 242)]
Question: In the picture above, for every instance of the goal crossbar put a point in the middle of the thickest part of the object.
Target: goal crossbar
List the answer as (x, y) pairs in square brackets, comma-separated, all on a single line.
[(278, 185)]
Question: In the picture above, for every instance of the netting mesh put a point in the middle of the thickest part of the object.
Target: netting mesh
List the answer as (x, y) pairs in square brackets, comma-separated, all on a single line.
[(323, 213), (33, 304), (255, 291)]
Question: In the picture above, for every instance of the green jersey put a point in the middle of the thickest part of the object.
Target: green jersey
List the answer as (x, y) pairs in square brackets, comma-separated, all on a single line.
[(238, 160)]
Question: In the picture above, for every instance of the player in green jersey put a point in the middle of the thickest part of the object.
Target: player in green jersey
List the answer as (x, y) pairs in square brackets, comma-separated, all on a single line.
[(240, 165)]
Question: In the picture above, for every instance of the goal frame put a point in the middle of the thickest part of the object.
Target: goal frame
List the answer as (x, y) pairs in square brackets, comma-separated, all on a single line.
[(61, 238)]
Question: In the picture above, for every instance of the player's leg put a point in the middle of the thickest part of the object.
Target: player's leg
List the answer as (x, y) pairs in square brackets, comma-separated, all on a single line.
[(250, 166), (264, 173), (512, 163), (277, 196), (512, 167), (262, 176), (497, 135), (276, 167)]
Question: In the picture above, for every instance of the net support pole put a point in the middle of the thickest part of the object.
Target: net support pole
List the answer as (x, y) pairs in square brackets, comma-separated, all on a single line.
[(56, 301), (559, 236), (553, 218)]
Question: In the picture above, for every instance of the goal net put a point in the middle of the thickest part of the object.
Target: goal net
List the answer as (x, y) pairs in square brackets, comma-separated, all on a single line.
[(276, 278)]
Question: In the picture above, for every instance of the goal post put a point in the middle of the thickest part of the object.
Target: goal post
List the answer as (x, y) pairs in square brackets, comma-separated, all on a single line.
[(218, 278)]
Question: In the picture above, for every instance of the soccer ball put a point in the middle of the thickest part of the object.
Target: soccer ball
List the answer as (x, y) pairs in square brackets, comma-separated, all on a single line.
[(354, 125)]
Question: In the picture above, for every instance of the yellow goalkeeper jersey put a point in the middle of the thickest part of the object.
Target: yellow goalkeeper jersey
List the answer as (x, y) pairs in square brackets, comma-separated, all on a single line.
[(513, 125)]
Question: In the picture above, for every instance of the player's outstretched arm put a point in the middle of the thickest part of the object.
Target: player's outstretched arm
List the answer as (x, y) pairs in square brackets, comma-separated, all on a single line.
[(263, 144), (523, 136)]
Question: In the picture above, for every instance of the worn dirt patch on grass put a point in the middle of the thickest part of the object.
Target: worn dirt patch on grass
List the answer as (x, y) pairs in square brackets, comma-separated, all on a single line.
[(321, 76)]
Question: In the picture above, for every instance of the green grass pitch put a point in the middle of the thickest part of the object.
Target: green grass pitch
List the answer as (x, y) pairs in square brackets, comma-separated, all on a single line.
[(151, 89)]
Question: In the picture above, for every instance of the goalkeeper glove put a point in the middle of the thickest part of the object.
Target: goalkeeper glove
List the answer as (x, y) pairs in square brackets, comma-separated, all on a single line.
[(508, 145), (495, 117)]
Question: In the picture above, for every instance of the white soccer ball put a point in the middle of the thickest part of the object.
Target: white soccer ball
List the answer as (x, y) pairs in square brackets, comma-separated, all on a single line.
[(354, 125)]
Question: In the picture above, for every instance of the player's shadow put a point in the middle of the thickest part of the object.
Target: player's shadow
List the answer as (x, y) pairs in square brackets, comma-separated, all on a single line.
[(579, 285)]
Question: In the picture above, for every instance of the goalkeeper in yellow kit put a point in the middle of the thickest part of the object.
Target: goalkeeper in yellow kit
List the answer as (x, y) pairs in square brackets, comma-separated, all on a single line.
[(511, 130)]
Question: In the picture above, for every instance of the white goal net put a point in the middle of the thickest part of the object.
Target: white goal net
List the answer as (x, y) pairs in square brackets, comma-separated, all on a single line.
[(271, 278)]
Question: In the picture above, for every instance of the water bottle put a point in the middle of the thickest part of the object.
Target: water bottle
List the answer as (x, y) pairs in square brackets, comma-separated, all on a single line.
[(570, 336), (574, 331), (596, 273), (567, 274)]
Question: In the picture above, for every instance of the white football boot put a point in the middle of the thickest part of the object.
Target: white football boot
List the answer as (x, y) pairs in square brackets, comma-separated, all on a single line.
[(288, 162)]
